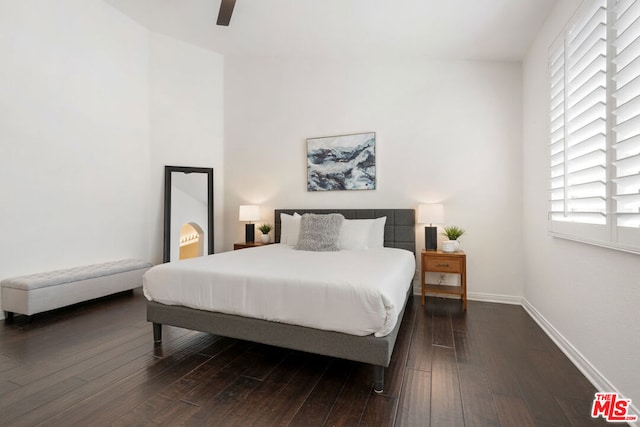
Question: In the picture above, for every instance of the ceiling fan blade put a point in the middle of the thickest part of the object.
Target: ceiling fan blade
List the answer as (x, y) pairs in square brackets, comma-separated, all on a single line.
[(226, 9)]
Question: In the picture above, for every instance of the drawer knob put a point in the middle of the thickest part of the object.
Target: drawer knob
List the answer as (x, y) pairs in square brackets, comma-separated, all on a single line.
[(443, 265)]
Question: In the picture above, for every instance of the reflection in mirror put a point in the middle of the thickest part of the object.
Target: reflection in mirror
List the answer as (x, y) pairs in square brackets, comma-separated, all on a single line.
[(191, 241), (188, 212)]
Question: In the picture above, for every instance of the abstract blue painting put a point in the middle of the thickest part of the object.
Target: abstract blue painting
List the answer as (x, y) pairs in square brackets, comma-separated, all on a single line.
[(345, 162)]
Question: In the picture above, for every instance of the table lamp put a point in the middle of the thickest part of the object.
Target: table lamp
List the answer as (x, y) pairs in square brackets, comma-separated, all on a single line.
[(249, 213), (431, 214)]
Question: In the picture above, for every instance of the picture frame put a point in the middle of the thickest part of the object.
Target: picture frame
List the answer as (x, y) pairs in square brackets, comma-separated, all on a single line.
[(342, 162)]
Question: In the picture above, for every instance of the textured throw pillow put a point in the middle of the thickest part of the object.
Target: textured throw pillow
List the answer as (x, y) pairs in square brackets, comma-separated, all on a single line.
[(319, 233)]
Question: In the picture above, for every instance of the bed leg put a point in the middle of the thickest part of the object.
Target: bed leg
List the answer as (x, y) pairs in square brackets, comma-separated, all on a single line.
[(157, 332), (8, 316), (378, 378)]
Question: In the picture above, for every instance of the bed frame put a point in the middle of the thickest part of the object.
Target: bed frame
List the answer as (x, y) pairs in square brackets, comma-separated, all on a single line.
[(399, 233)]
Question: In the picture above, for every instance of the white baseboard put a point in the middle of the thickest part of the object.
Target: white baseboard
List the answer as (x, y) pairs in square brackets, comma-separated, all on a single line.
[(588, 370), (475, 296), (502, 299)]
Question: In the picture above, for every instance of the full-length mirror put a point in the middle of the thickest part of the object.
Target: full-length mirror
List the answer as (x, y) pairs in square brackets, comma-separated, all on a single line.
[(188, 212)]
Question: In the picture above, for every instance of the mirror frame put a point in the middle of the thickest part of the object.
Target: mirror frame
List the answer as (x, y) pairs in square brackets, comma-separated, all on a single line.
[(166, 256)]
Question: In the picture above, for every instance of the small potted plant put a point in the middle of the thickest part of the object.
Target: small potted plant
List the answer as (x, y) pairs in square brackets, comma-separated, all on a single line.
[(453, 232), (265, 229)]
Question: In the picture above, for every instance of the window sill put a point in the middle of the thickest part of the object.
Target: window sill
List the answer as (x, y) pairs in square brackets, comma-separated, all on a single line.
[(607, 245)]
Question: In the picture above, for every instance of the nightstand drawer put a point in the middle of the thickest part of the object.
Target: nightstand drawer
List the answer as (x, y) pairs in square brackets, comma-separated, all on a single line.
[(446, 265)]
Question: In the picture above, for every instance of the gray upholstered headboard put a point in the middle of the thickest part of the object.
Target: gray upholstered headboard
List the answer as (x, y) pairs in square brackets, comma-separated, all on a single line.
[(399, 230)]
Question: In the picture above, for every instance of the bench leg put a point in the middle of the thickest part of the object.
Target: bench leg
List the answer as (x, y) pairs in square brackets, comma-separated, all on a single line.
[(157, 332), (378, 378)]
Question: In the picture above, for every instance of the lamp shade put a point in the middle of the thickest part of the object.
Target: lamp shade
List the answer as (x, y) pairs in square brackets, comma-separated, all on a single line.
[(249, 213), (431, 214)]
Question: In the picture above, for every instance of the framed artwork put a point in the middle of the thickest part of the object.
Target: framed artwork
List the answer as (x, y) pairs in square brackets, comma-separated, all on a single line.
[(344, 162)]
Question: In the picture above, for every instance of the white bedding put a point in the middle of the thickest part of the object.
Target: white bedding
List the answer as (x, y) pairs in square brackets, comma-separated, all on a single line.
[(358, 292)]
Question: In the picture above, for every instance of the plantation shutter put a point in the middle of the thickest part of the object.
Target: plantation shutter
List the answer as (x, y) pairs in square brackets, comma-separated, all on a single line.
[(586, 121), (626, 116), (557, 129), (578, 150), (594, 117)]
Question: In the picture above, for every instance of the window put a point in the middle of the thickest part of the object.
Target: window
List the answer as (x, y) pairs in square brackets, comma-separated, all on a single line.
[(594, 146)]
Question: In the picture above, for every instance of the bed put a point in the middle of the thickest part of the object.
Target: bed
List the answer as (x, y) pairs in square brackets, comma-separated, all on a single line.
[(361, 345)]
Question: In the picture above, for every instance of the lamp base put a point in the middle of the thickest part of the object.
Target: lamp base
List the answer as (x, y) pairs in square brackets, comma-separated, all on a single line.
[(249, 233), (431, 238)]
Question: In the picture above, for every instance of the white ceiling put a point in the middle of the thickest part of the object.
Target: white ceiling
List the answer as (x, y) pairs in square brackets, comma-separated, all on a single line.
[(435, 29)]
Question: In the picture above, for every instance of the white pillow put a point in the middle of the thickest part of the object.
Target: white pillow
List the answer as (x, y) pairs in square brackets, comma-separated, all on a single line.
[(289, 228), (355, 234), (376, 235)]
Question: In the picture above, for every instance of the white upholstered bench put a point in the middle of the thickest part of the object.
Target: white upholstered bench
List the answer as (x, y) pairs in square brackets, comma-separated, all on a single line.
[(40, 292)]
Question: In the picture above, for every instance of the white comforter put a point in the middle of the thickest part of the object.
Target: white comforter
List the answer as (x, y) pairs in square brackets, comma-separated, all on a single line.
[(358, 292)]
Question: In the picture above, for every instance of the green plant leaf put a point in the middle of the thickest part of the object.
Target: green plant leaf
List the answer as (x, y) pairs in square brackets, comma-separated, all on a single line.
[(265, 228), (453, 232)]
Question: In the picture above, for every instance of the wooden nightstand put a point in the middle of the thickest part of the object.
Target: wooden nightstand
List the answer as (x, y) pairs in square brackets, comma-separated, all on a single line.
[(440, 262), (245, 245)]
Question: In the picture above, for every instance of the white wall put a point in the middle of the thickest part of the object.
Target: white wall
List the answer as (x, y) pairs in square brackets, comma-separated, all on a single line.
[(74, 135), (186, 102), (590, 295), (446, 132), (92, 106)]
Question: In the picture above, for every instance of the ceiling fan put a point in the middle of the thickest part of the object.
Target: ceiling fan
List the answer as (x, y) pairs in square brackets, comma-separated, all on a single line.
[(226, 9)]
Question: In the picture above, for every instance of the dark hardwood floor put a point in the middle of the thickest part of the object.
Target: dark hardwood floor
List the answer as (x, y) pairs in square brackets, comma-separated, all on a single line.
[(96, 364)]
